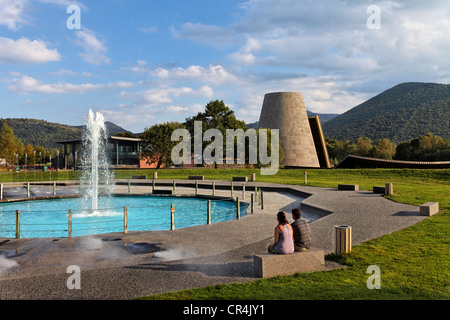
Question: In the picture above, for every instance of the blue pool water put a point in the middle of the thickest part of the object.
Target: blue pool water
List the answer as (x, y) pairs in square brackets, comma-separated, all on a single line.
[(49, 218)]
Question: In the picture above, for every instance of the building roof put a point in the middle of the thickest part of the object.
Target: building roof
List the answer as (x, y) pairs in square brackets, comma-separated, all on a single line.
[(354, 162), (111, 138)]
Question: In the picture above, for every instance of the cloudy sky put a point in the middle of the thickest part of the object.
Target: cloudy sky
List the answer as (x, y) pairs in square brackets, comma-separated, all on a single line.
[(142, 62)]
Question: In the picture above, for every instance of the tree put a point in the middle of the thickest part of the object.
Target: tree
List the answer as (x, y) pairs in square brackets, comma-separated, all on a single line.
[(338, 150), (384, 149), (363, 147), (157, 145), (9, 144), (430, 142)]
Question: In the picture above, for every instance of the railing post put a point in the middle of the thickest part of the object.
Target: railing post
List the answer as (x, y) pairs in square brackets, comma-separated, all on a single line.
[(153, 186), (54, 188), (238, 209), (232, 190), (125, 220), (214, 188), (28, 189), (243, 191), (209, 212), (172, 217), (1, 191), (70, 223), (252, 202), (174, 186), (262, 199), (17, 224), (196, 187)]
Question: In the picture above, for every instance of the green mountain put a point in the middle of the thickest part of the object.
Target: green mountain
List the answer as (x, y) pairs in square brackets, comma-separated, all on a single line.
[(43, 133), (402, 113)]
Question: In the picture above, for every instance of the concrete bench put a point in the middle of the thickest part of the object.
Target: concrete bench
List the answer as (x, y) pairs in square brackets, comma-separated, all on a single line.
[(353, 187), (240, 179), (270, 265), (388, 189), (196, 178), (139, 177), (429, 209), (379, 189)]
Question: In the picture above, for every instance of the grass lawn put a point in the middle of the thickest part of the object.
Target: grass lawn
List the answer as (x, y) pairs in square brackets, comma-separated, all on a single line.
[(414, 262)]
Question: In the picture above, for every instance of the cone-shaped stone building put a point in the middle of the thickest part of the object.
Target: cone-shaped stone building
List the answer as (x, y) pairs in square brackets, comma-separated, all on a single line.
[(286, 111)]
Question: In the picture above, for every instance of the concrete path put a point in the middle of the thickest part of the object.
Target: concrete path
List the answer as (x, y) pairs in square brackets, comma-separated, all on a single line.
[(118, 266)]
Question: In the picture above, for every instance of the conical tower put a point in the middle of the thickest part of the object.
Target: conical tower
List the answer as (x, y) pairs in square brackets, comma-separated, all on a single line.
[(286, 111)]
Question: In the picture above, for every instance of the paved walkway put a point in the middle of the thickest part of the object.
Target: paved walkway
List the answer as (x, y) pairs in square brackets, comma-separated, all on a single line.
[(118, 266)]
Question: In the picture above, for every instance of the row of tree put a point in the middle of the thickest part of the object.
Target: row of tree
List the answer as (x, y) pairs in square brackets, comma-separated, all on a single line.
[(424, 148), (15, 152)]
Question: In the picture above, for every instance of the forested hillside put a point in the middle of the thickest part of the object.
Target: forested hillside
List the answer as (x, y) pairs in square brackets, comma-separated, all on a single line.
[(400, 114), (43, 133)]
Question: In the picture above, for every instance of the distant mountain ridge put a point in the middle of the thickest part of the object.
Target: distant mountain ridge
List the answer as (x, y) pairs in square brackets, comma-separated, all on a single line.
[(401, 113), (46, 134)]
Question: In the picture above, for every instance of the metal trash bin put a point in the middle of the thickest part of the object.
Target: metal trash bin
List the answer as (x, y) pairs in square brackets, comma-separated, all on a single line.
[(343, 239)]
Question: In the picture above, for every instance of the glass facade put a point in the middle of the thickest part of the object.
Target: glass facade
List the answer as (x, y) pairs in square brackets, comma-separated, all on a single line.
[(121, 152)]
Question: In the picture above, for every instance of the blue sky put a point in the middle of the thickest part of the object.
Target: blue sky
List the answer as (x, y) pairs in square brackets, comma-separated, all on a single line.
[(146, 62)]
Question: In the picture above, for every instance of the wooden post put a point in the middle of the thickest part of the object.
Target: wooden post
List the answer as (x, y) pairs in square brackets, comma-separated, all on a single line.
[(125, 220), (70, 223), (17, 224), (252, 202), (155, 175), (209, 212), (238, 209), (172, 217)]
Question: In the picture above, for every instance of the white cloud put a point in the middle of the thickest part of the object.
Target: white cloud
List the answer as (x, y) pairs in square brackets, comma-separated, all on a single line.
[(65, 72), (213, 74), (27, 84), (12, 13), (124, 118), (23, 51), (94, 49), (162, 96)]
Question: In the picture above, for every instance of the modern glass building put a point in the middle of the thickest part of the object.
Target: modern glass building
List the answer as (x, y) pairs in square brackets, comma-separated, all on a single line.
[(122, 152)]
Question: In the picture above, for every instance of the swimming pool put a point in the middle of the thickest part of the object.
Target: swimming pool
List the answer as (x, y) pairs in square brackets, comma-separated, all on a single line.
[(49, 218)]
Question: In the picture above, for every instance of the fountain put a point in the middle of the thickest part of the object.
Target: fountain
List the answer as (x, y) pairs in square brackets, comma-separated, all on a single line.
[(95, 160)]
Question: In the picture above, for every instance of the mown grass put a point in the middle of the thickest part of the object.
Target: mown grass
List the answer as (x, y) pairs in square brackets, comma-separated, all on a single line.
[(414, 262)]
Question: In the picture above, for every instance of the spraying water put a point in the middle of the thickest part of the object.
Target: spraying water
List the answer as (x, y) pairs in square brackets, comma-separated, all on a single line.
[(95, 160)]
